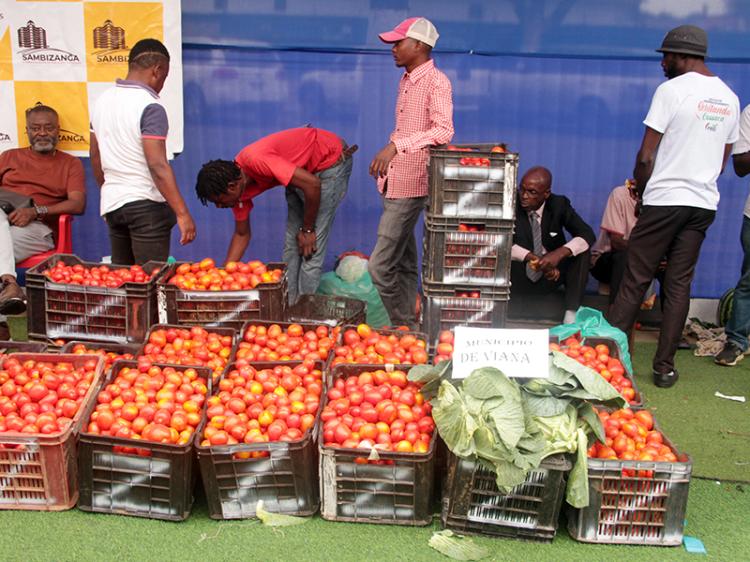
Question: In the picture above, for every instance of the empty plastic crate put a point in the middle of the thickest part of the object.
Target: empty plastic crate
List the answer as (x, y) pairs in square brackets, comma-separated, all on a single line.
[(397, 494), (286, 479), (473, 504), (58, 310), (231, 309), (466, 190), (39, 472), (329, 309), (157, 486)]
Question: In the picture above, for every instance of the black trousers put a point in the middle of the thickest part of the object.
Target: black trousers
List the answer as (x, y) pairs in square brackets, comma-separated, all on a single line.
[(609, 268), (140, 232), (574, 272), (674, 232)]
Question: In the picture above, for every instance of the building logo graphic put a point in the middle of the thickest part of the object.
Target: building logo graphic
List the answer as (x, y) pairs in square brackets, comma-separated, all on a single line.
[(33, 40), (108, 39)]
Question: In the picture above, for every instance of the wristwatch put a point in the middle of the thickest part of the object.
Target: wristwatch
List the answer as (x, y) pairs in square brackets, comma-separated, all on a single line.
[(41, 211)]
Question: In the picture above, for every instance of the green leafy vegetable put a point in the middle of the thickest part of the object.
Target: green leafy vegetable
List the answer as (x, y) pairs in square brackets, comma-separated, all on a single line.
[(456, 546), (277, 519)]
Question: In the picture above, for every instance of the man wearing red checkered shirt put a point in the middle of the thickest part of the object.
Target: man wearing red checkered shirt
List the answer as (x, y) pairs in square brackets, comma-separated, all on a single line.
[(424, 117)]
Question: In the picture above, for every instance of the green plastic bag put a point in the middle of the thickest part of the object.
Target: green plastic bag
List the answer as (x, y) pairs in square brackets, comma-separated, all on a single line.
[(591, 322), (362, 289)]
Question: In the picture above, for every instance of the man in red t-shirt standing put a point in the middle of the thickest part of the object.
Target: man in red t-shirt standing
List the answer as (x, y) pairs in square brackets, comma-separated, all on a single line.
[(314, 165), (424, 117), (54, 181)]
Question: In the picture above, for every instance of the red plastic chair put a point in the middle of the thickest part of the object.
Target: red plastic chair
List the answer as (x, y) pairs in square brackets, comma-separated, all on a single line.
[(64, 244)]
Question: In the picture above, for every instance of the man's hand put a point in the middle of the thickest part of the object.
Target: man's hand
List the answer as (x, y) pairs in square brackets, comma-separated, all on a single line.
[(187, 228), (552, 259), (379, 164), (552, 274), (307, 242), (23, 216)]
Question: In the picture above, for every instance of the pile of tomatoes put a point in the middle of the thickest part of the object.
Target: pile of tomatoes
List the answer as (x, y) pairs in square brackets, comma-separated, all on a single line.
[(444, 348), (194, 346), (377, 410), (599, 359), (160, 404), (98, 276), (234, 276), (365, 345), (109, 356), (42, 397), (293, 343), (262, 406), (631, 436), (464, 227)]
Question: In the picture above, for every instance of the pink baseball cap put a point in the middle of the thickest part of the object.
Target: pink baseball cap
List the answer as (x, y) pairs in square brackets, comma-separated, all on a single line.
[(420, 29)]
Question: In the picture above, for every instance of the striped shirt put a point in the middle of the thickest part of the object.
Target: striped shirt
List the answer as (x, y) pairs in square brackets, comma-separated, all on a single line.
[(424, 117)]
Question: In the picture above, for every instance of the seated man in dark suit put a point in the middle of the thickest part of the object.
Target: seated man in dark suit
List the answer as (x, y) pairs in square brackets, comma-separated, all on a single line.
[(542, 259)]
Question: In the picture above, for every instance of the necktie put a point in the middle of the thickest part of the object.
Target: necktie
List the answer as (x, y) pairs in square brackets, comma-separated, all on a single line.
[(536, 232)]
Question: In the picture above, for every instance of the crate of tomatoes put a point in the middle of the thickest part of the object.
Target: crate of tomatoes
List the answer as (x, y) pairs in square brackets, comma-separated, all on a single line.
[(363, 344), (190, 345), (267, 340), (638, 485), (136, 449), (332, 310), (110, 351), (73, 299), (604, 356), (200, 293), (377, 448), (42, 399), (259, 440)]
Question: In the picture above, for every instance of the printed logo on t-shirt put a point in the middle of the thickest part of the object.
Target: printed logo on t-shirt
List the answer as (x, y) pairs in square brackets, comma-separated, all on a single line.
[(713, 112)]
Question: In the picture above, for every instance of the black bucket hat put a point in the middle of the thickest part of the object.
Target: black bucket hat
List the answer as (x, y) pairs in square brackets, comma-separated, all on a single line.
[(686, 40)]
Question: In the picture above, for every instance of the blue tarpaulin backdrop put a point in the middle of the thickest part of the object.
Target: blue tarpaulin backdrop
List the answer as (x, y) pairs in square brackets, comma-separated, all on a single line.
[(566, 83)]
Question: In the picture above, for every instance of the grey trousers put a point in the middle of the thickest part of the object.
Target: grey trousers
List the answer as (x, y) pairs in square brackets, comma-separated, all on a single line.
[(394, 261), (20, 242)]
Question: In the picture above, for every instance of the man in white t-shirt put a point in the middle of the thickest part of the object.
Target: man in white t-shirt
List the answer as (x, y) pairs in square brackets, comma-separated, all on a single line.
[(738, 327), (690, 128), (140, 200)]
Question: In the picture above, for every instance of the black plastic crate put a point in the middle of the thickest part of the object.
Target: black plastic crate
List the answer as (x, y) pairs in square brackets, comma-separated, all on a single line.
[(37, 471), (329, 309), (396, 494), (158, 485), (473, 504), (285, 477), (444, 307), (479, 258), (634, 502), (58, 310), (7, 347), (461, 189), (230, 309)]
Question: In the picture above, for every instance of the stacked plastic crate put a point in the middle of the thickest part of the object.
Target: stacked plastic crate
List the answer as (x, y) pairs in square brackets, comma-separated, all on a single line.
[(468, 236)]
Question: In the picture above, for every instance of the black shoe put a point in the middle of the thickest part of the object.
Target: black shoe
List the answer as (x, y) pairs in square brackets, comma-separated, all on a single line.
[(730, 355), (12, 298), (666, 380)]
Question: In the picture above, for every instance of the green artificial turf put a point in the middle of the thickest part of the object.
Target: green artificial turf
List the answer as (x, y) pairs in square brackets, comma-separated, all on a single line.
[(715, 432), (717, 514)]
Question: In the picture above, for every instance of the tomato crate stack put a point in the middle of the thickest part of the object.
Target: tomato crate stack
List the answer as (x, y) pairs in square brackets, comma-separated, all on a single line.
[(146, 469), (473, 504), (468, 235), (215, 307), (86, 307), (635, 502), (273, 455), (365, 480), (332, 310), (39, 470)]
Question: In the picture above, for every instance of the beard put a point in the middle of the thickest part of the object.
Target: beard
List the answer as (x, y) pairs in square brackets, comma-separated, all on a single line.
[(44, 146)]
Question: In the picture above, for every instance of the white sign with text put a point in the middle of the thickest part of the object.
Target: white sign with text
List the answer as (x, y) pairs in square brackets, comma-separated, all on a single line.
[(517, 353)]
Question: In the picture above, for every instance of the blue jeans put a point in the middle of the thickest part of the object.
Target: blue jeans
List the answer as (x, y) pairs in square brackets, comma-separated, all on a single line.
[(304, 274), (738, 327)]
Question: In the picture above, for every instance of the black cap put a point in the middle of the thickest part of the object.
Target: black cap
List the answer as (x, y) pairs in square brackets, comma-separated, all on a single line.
[(686, 40)]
